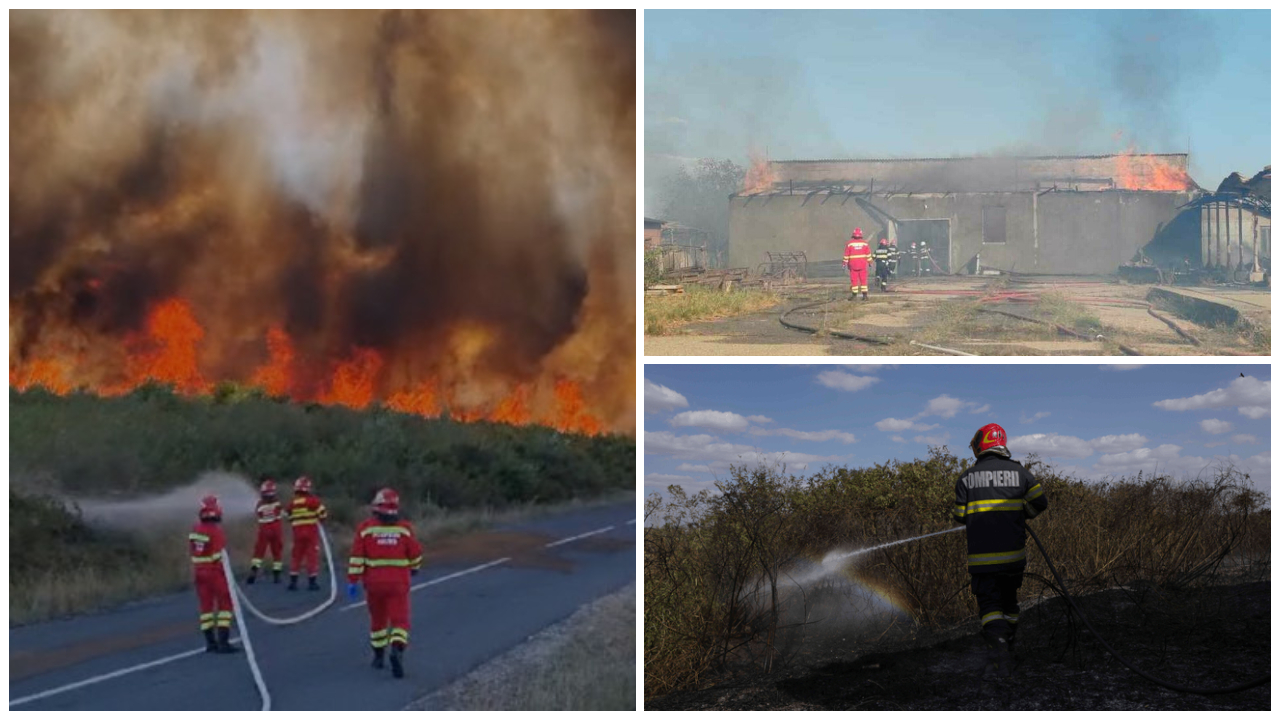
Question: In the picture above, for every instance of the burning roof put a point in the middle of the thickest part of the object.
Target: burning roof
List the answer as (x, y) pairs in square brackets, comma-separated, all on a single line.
[(1124, 171), (427, 209)]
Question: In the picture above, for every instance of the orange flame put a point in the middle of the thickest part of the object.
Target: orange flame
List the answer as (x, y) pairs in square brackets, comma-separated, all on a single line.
[(759, 177), (167, 351), (1150, 173)]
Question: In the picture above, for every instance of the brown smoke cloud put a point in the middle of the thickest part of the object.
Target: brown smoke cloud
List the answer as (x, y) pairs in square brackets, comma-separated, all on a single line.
[(452, 192)]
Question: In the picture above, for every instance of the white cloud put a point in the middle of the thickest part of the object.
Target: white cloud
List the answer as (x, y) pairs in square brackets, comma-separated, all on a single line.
[(1260, 463), (759, 419), (1250, 396), (1163, 459), (666, 479), (1040, 415), (1126, 366), (946, 406), (898, 439), (659, 398), (1243, 439), (896, 425), (812, 435), (710, 419), (943, 405), (1215, 444), (841, 380), (1051, 445), (869, 367), (933, 439), (1215, 427), (709, 450), (686, 467), (1118, 443)]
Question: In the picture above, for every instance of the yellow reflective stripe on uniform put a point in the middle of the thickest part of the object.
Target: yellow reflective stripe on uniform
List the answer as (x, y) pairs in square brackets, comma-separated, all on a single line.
[(978, 506), (991, 616), (958, 511), (305, 521), (415, 562), (998, 558), (386, 563), (384, 530), (357, 561), (1035, 492), (198, 537), (1012, 618), (207, 559)]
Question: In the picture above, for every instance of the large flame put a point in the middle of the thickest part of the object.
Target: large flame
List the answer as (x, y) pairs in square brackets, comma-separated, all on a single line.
[(427, 210), (760, 176), (1149, 172)]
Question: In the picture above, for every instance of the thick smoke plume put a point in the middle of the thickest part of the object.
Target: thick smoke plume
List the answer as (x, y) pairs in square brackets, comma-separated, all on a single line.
[(441, 201), (236, 494)]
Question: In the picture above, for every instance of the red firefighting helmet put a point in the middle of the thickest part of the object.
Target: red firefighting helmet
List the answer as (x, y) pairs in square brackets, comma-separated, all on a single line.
[(302, 485), (210, 509), (857, 233), (884, 242), (387, 502), (268, 487), (988, 436)]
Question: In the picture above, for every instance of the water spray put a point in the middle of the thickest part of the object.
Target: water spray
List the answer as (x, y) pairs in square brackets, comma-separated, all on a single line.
[(832, 562)]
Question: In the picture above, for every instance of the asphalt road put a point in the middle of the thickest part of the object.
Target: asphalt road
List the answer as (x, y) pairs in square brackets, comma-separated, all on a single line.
[(469, 605)]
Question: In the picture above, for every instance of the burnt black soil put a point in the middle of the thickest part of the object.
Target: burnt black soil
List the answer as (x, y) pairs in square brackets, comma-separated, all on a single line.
[(1206, 637)]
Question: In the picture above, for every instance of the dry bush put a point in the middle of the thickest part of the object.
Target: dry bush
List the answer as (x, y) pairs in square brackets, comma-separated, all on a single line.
[(718, 567)]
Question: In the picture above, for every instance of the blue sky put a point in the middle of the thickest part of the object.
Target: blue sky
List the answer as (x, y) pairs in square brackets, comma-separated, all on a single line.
[(1090, 420), (820, 84)]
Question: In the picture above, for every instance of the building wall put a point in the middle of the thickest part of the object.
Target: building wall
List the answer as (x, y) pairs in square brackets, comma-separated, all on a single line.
[(652, 237), (1057, 232)]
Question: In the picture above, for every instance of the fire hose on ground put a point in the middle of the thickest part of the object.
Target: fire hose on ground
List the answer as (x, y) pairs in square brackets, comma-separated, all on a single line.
[(1062, 588), (240, 600)]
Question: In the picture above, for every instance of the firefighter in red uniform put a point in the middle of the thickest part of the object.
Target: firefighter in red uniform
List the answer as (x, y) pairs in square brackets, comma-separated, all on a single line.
[(856, 254), (207, 541), (270, 533), (383, 556), (305, 513), (994, 498)]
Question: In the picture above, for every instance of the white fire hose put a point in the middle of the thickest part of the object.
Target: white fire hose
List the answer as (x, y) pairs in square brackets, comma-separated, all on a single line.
[(239, 601)]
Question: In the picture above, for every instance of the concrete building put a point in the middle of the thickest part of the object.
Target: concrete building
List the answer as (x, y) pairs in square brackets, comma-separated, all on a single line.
[(1053, 215)]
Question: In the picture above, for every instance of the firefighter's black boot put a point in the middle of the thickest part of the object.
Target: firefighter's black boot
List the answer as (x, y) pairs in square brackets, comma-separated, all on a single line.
[(275, 574), (1000, 660), (210, 645), (253, 576), (378, 654), (224, 641), (312, 584), (293, 582), (864, 295), (397, 663)]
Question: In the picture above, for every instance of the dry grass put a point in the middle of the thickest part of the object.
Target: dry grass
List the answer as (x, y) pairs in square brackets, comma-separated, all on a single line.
[(588, 662), (664, 313)]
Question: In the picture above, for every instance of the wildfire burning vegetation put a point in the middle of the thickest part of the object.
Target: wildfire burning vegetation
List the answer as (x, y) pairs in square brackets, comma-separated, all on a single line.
[(431, 210)]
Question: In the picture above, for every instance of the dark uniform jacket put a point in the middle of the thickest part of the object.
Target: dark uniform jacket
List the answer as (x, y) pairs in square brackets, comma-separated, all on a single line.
[(992, 498)]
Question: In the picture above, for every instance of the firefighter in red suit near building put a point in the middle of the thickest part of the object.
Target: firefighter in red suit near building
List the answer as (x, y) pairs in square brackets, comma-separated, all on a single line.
[(383, 556), (856, 255), (270, 533), (207, 541), (305, 513)]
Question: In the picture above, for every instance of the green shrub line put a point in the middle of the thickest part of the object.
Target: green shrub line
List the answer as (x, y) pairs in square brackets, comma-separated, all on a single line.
[(451, 476)]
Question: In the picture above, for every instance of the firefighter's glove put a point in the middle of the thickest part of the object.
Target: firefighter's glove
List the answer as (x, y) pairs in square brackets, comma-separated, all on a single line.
[(353, 591)]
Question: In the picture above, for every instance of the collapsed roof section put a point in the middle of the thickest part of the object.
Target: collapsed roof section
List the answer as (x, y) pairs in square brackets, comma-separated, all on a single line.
[(1126, 171)]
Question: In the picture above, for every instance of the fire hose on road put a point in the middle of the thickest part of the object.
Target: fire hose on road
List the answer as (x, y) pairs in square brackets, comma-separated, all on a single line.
[(240, 600)]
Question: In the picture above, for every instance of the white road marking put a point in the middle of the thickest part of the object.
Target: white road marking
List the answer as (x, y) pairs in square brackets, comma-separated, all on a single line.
[(191, 653), (437, 581), (632, 521), (579, 537)]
